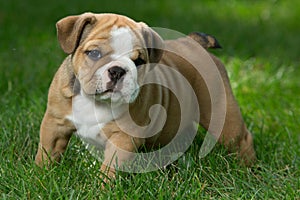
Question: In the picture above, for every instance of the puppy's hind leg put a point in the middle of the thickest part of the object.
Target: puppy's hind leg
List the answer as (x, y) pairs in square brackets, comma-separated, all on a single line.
[(235, 135)]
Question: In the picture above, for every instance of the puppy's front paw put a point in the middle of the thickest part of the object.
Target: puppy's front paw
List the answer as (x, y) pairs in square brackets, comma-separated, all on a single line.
[(108, 174)]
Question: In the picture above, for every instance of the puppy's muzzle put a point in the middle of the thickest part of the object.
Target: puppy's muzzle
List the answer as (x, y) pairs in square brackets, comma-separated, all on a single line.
[(116, 75)]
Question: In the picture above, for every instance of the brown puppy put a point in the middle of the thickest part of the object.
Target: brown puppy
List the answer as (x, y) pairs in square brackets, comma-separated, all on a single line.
[(106, 91)]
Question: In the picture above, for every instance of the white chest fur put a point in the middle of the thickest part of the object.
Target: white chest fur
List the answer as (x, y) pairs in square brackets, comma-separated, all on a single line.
[(90, 117)]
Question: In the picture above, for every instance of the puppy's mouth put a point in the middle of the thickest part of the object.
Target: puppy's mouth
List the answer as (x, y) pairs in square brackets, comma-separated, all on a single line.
[(105, 92), (112, 88), (102, 93)]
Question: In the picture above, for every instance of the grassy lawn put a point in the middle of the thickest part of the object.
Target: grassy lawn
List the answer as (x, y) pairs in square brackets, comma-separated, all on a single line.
[(260, 41)]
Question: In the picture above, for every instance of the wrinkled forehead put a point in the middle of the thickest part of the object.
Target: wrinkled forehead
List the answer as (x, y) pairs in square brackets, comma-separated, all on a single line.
[(109, 20), (107, 25), (120, 32)]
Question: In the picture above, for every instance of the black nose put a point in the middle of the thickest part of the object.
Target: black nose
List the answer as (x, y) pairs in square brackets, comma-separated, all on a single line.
[(115, 73)]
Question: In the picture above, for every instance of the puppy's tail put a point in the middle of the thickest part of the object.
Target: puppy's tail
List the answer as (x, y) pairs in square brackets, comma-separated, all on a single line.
[(205, 40)]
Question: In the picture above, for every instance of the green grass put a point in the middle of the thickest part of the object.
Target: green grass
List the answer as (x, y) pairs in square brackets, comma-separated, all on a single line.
[(260, 42)]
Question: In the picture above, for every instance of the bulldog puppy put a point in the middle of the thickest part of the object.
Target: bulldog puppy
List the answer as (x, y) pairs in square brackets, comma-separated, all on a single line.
[(102, 91)]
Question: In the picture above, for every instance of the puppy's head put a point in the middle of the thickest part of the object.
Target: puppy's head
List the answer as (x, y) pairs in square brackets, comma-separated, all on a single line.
[(109, 53)]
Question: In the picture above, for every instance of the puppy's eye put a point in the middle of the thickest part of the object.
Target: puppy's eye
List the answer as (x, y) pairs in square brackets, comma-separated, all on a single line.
[(93, 55), (139, 61)]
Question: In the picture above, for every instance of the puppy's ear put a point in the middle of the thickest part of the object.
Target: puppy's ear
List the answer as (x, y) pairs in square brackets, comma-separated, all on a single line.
[(154, 44), (70, 30)]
